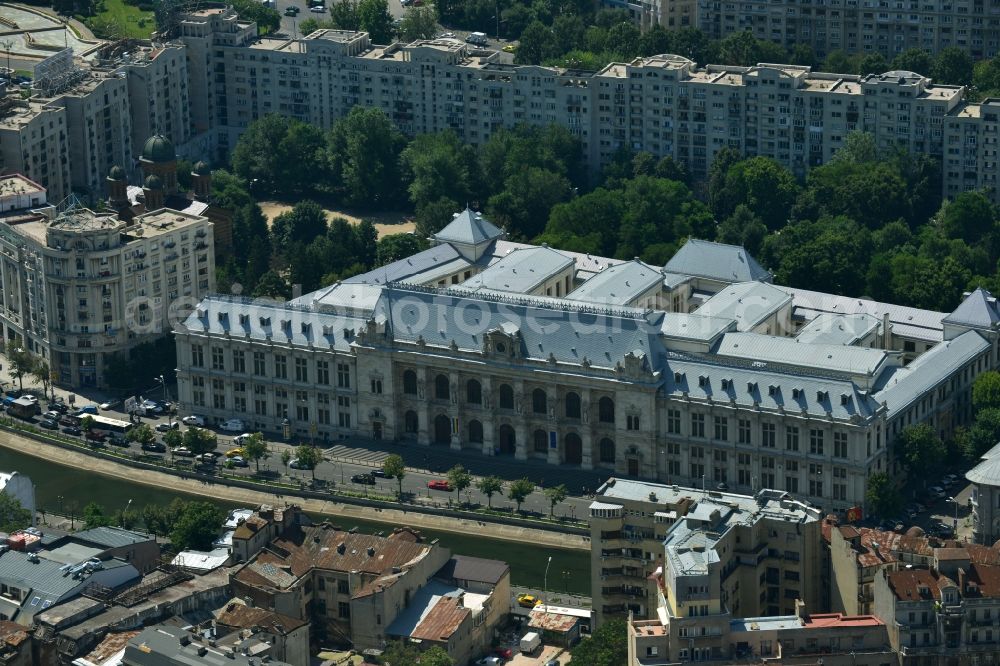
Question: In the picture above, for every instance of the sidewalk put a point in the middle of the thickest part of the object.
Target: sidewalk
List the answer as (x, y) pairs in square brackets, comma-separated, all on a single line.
[(392, 517)]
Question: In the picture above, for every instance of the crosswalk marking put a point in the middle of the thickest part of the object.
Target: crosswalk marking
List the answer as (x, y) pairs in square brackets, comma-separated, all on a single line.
[(352, 453)]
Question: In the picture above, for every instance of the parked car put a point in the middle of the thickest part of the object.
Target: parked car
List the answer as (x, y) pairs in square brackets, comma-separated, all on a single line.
[(183, 452), (509, 48), (380, 473), (234, 452), (439, 484), (52, 415), (206, 459), (937, 492), (943, 530), (318, 9), (232, 425), (298, 464), (156, 447), (117, 439), (110, 404), (290, 11), (150, 407), (59, 407), (194, 420), (504, 652), (528, 600), (49, 424), (364, 479), (491, 660), (72, 430), (167, 427), (96, 438), (239, 461), (240, 440)]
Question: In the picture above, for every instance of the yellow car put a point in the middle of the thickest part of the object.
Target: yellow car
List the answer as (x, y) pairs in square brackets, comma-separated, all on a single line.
[(231, 453), (528, 601), (509, 48)]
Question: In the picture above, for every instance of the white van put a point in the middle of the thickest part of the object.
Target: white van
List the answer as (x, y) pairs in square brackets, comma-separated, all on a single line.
[(530, 642)]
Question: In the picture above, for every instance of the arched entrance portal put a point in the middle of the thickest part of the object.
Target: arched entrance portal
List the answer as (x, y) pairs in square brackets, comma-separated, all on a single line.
[(506, 441), (574, 449), (442, 429)]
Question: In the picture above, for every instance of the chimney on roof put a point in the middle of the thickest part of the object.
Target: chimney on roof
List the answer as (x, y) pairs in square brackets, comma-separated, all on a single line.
[(371, 551), (341, 548)]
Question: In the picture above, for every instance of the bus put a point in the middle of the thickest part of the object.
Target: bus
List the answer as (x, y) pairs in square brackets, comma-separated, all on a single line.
[(107, 425)]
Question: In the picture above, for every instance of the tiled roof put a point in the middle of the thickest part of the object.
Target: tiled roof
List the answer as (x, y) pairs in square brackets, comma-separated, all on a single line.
[(914, 584), (477, 569), (716, 261), (241, 616)]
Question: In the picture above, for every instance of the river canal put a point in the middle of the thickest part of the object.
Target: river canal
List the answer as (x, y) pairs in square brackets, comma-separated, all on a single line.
[(570, 569)]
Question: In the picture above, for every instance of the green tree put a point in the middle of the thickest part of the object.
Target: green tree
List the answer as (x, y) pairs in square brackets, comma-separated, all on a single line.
[(142, 434), (608, 646), (399, 653), (395, 468), (153, 518), (743, 228), (286, 457), (519, 491), (872, 63), (882, 495), (13, 516), (841, 63), (920, 449), (623, 40), (986, 391), (363, 152), (397, 246), (986, 77), (588, 223), (526, 201), (418, 23), (344, 15), (280, 154), (200, 440), (984, 433), (568, 31), (490, 486), (309, 457), (459, 479), (172, 439), (740, 48), (803, 55), (20, 363), (537, 44), (433, 217), (302, 224), (375, 19), (271, 285), (93, 516), (196, 527), (440, 166), (87, 422), (822, 255), (914, 60), (255, 447), (658, 211), (555, 495), (970, 216), (952, 66), (267, 19), (765, 187), (859, 147), (40, 370)]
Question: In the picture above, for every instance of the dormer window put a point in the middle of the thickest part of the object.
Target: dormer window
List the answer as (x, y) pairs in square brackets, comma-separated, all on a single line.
[(726, 383), (772, 390), (844, 398), (796, 393), (751, 387), (678, 377), (821, 396), (265, 322), (244, 319), (702, 381), (306, 327), (286, 325)]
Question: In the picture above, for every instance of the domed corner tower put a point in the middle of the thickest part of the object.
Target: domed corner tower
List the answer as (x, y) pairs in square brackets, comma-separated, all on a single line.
[(152, 190), (159, 159), (201, 179), (117, 188)]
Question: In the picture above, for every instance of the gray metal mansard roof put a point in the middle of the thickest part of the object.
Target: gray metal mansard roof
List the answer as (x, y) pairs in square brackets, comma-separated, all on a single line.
[(986, 473), (618, 284), (716, 261), (568, 334), (163, 645), (902, 386), (522, 270), (282, 323), (749, 303), (415, 266), (837, 329), (112, 537), (469, 228), (978, 309)]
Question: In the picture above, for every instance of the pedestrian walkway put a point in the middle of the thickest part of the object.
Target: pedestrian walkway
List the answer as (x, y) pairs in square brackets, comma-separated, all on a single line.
[(439, 459)]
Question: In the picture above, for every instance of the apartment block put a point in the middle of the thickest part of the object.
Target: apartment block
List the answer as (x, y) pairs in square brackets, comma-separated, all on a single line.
[(34, 142), (854, 26), (157, 79), (79, 287)]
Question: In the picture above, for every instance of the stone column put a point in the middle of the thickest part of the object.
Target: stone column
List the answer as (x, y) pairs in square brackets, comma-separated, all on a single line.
[(424, 410), (587, 461), (488, 417), (454, 411), (554, 455)]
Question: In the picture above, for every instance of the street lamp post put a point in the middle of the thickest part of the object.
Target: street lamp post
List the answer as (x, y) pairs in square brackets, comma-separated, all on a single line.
[(955, 502), (127, 505), (545, 585)]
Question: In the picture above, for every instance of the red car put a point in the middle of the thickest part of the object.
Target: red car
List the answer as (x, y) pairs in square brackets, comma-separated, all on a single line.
[(439, 485), (504, 652)]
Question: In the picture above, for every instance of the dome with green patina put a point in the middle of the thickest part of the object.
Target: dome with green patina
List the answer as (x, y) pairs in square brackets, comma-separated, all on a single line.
[(159, 148), (201, 169), (153, 182), (116, 173)]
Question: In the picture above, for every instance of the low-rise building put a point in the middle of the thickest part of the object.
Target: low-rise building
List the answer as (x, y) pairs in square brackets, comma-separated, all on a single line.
[(170, 646), (19, 487), (287, 638)]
